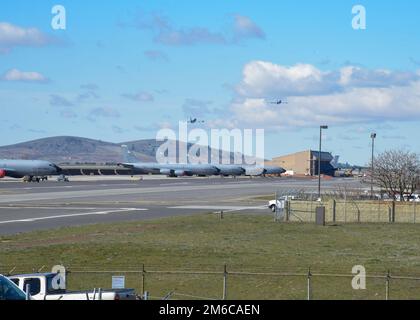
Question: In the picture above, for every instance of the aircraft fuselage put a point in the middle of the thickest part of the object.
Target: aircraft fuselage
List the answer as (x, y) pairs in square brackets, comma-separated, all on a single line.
[(23, 168)]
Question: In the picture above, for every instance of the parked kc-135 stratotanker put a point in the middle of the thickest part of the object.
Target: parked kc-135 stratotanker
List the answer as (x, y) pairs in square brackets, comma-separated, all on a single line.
[(177, 169), (35, 170)]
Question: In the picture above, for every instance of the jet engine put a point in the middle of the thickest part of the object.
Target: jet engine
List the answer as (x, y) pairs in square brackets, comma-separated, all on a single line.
[(180, 173), (2, 173), (167, 172)]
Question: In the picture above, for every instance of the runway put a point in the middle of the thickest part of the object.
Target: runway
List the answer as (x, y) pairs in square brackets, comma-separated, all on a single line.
[(31, 207)]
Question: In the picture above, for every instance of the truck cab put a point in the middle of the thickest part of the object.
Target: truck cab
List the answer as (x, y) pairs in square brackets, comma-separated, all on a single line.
[(40, 284), (9, 291), (41, 287)]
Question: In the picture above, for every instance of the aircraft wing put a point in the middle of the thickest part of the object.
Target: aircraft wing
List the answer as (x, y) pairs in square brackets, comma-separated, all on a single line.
[(143, 168), (127, 165)]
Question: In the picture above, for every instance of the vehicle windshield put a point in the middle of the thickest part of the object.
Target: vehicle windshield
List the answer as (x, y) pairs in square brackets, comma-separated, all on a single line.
[(9, 291)]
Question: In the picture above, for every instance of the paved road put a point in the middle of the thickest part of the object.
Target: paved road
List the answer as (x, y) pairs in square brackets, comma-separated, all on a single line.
[(29, 207)]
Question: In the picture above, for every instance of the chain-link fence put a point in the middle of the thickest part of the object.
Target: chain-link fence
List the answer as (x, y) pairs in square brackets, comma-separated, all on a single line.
[(348, 206), (226, 283), (354, 211)]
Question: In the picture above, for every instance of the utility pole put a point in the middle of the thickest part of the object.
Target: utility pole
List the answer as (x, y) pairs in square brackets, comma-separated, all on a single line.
[(319, 159), (373, 137)]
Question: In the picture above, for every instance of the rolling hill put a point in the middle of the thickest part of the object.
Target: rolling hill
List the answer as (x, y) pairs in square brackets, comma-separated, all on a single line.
[(66, 149), (74, 150)]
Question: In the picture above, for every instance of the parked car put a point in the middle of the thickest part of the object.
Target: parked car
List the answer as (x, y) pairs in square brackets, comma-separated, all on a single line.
[(10, 291), (41, 288)]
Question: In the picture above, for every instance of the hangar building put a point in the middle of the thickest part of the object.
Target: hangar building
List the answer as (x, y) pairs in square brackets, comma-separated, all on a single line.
[(306, 163)]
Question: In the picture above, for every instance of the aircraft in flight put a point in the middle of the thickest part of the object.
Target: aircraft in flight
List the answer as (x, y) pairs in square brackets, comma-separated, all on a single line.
[(33, 170), (278, 102), (195, 121)]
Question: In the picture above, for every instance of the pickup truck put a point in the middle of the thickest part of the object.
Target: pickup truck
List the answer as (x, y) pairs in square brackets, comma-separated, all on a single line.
[(9, 291), (272, 205), (280, 202), (41, 288)]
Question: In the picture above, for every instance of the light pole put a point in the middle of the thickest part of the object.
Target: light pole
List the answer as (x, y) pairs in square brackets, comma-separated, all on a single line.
[(373, 137), (319, 159)]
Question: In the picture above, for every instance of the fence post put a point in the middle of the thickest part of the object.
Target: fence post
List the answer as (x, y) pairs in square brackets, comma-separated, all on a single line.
[(225, 273), (389, 214), (393, 211), (287, 209), (334, 210), (387, 282), (143, 279), (275, 207), (309, 285), (345, 206), (66, 275)]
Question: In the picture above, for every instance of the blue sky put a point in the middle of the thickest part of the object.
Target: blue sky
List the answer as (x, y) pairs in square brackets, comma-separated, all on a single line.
[(123, 69)]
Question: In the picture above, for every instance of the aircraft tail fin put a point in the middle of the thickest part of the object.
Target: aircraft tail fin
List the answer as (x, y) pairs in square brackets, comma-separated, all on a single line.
[(334, 163), (128, 156)]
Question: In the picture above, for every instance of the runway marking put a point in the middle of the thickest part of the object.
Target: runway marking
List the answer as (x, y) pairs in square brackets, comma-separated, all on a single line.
[(144, 189), (230, 208), (35, 188), (114, 192), (174, 184), (75, 215), (58, 186), (49, 208)]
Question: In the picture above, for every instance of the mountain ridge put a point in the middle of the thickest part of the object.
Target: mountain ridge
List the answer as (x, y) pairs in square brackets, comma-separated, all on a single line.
[(72, 149), (76, 150)]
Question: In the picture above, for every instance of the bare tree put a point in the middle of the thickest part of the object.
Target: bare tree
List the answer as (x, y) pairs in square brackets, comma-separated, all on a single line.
[(397, 172)]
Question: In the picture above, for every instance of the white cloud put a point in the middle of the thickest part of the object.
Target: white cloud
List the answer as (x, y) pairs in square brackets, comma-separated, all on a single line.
[(244, 27), (348, 95), (266, 79), (262, 79), (359, 77), (25, 76), (166, 33), (12, 36), (191, 36)]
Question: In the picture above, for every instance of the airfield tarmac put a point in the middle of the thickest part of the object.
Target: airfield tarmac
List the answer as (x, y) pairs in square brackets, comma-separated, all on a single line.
[(87, 200)]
